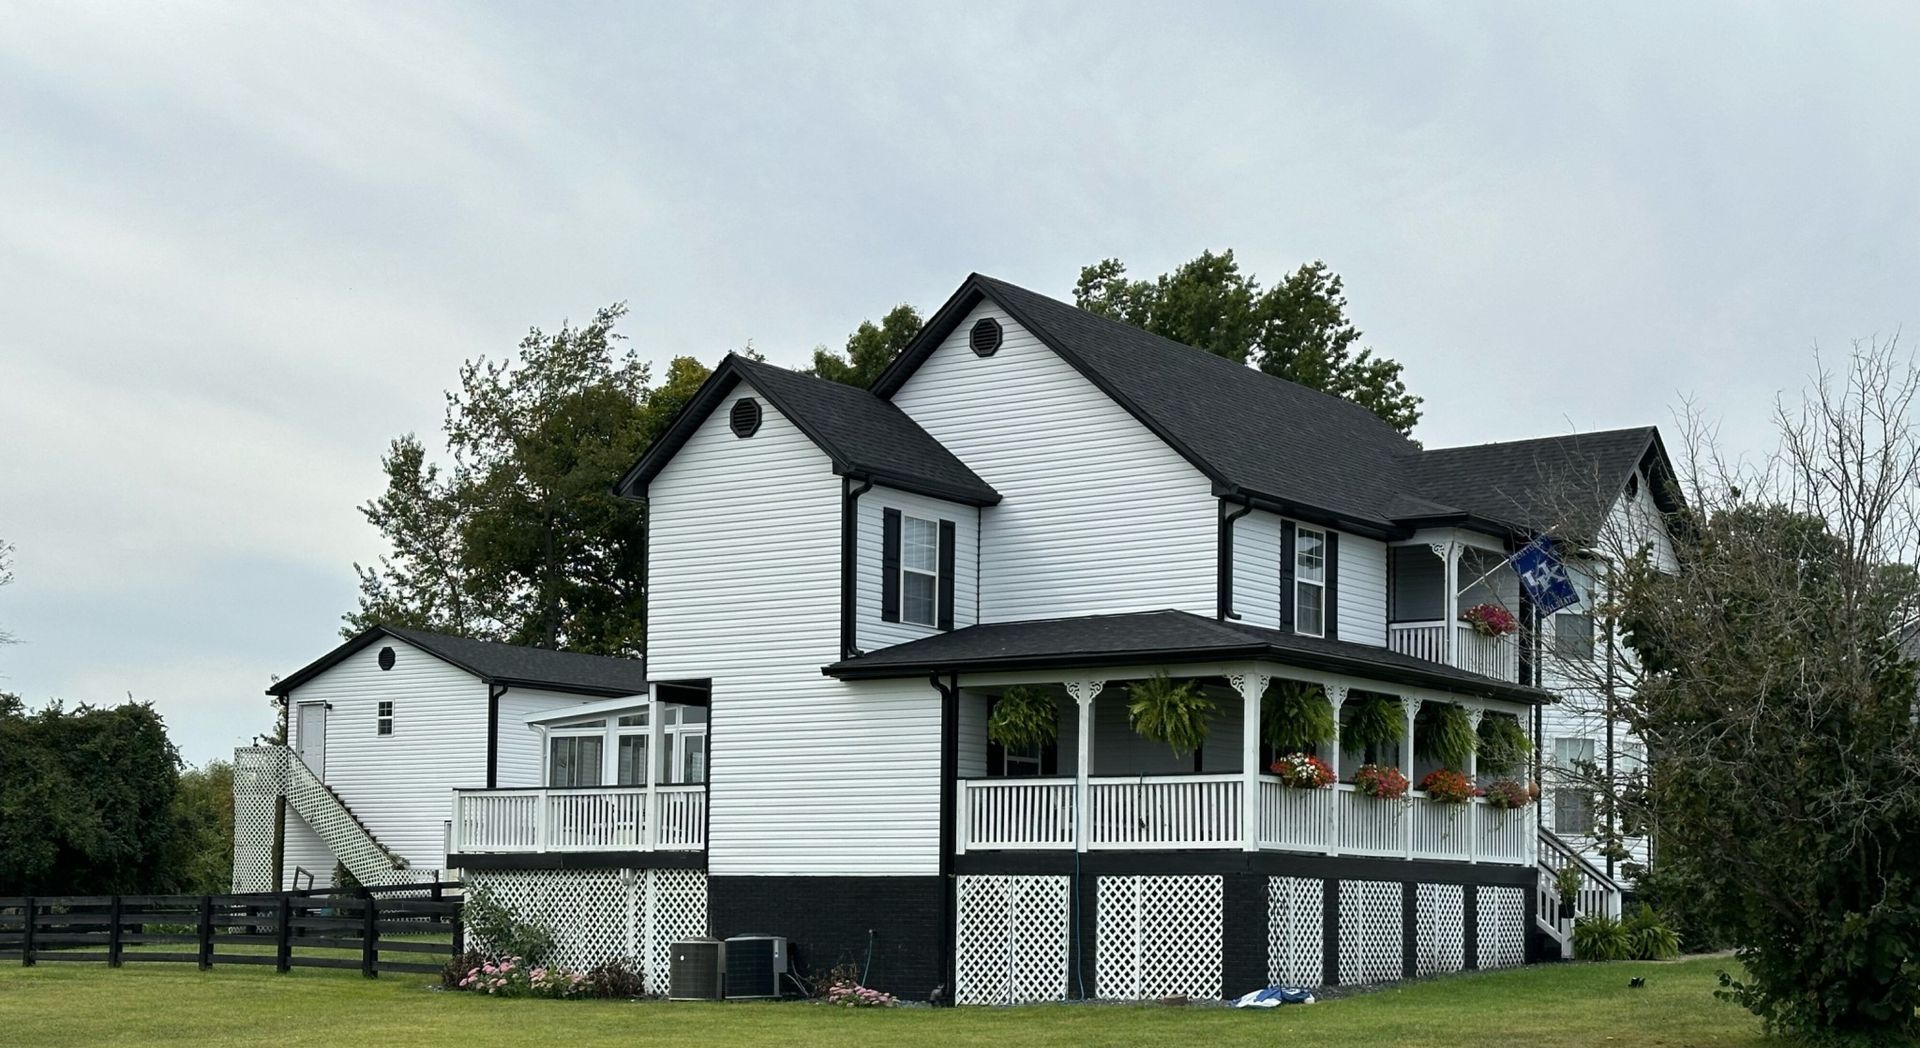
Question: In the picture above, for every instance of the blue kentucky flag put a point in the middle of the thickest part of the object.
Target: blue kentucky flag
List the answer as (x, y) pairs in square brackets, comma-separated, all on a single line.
[(1544, 577)]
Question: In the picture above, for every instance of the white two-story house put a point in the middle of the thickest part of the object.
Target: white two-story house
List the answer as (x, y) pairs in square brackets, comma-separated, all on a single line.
[(843, 583)]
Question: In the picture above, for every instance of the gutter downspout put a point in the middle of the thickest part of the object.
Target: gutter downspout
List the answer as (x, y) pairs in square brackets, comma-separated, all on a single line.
[(949, 787), (849, 559), (1223, 554), (494, 691)]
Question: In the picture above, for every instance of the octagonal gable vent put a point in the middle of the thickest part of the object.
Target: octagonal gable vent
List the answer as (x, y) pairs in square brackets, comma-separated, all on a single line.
[(744, 418), (985, 337)]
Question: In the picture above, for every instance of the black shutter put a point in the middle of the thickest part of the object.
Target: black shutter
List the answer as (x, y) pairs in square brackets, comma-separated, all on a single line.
[(945, 618), (890, 566), (1333, 585), (1286, 575)]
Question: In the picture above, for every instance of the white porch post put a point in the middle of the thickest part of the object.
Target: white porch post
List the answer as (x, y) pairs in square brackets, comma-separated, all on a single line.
[(1336, 697), (656, 714), (1410, 706), (1083, 692), (1474, 713), (1252, 687), (1449, 554)]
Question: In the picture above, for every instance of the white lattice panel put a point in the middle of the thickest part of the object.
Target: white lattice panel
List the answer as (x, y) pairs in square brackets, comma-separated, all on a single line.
[(1371, 936), (601, 915), (259, 776), (1296, 910), (368, 860), (1502, 917), (1441, 927), (1159, 937), (1011, 939)]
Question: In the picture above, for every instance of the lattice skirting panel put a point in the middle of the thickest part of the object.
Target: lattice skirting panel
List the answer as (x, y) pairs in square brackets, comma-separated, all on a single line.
[(1011, 939), (601, 915), (1502, 917), (259, 777), (1441, 927), (1159, 937), (1296, 908), (1372, 939)]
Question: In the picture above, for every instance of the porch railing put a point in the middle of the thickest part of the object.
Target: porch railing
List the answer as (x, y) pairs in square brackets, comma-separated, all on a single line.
[(1204, 811), (611, 818), (1496, 657)]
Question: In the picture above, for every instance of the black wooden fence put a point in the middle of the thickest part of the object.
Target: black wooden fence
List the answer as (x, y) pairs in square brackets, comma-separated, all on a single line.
[(398, 928)]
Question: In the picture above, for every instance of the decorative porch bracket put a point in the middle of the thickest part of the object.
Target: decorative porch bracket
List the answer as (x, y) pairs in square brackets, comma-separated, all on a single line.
[(1083, 692), (1410, 706), (1252, 686)]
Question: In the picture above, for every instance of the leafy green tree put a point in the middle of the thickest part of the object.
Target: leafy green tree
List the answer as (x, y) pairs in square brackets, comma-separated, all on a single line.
[(522, 539), (870, 348), (1297, 330), (86, 800), (1778, 705), (202, 863)]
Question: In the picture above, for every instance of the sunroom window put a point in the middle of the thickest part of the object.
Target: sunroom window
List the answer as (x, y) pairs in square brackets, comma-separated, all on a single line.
[(574, 760), (1310, 582), (919, 570)]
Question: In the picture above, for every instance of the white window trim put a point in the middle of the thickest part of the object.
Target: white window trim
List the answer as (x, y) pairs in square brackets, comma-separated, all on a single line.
[(607, 765), (383, 719), (1299, 580), (933, 612)]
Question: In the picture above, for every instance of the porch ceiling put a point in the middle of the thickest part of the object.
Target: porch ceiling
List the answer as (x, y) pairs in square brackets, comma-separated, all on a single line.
[(1157, 638)]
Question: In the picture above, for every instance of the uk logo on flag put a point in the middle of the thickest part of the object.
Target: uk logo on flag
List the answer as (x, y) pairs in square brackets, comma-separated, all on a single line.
[(1544, 577)]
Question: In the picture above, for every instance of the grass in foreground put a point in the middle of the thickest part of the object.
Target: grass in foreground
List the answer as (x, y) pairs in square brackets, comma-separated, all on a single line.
[(56, 1005)]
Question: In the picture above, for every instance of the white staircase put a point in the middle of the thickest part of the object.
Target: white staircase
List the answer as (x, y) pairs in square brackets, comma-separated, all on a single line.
[(1599, 894), (268, 771)]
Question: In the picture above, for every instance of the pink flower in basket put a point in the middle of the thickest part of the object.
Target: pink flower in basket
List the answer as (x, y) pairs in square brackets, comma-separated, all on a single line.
[(1490, 620)]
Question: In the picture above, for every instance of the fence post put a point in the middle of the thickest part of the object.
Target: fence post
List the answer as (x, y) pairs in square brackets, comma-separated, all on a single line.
[(283, 935), (113, 933), (206, 932), (370, 939), (28, 906)]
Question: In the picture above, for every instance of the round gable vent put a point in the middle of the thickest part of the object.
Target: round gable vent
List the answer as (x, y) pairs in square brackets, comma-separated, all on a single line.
[(386, 658), (744, 419), (985, 337)]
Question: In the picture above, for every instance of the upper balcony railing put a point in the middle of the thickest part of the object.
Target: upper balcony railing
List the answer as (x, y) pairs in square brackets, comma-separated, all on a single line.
[(608, 818), (1473, 651), (1169, 812)]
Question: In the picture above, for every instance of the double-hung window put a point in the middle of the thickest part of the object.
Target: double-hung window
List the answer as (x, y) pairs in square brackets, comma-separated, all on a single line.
[(1572, 801), (1310, 582), (1572, 636), (919, 571), (383, 719)]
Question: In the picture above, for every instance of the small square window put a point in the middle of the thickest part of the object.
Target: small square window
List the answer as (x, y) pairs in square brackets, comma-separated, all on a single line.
[(1572, 636), (384, 719)]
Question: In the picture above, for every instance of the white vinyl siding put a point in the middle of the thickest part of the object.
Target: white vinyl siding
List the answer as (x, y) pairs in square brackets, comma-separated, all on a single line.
[(518, 756), (1361, 566), (401, 785), (1256, 569), (873, 632), (1099, 514), (809, 775), (305, 851)]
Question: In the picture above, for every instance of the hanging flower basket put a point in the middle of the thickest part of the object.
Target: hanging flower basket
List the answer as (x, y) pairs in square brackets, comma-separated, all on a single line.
[(1447, 786), (1303, 771), (1490, 620), (1509, 793), (1381, 783)]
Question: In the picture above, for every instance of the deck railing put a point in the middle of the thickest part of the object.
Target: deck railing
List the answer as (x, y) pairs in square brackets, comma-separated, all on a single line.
[(605, 818), (1496, 657), (1169, 812)]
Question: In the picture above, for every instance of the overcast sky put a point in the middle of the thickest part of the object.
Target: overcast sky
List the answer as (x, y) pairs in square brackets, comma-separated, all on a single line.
[(241, 249)]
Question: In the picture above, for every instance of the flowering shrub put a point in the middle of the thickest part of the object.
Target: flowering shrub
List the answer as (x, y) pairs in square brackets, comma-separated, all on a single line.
[(1384, 783), (1303, 771), (513, 977), (1490, 620), (1509, 793), (849, 994), (1447, 786)]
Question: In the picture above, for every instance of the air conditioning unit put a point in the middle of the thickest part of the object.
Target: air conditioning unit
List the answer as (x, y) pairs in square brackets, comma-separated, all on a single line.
[(755, 964), (697, 967)]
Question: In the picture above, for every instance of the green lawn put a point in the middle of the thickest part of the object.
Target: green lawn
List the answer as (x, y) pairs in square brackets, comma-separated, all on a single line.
[(55, 1004)]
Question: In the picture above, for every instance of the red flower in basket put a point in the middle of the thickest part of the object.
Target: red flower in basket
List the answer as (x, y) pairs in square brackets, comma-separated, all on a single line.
[(1447, 786), (1490, 620), (1383, 783), (1303, 771), (1509, 793)]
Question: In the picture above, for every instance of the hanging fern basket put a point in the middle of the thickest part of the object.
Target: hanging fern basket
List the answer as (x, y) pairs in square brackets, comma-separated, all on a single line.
[(1176, 713), (1504, 746), (1297, 716), (1375, 724), (1443, 733), (1024, 718)]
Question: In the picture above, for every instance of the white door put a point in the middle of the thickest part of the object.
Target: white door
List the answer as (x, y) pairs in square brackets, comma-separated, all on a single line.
[(312, 737)]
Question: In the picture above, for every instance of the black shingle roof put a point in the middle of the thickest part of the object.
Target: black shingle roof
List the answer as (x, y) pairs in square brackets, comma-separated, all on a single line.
[(864, 435), (496, 663), (1548, 484), (1305, 451), (1156, 637)]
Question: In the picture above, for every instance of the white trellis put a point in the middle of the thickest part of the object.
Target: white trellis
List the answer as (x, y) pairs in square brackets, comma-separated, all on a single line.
[(1440, 921), (1371, 936), (1296, 911), (1011, 939), (259, 778), (1502, 918), (1159, 937), (606, 914)]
